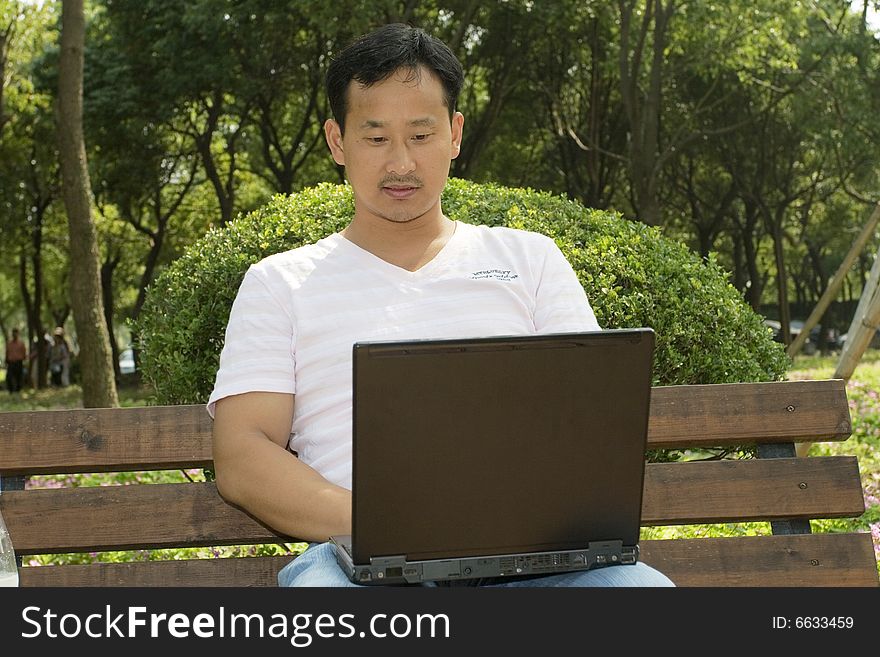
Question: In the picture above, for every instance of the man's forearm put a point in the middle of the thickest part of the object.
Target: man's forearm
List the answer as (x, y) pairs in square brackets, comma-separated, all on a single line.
[(272, 484)]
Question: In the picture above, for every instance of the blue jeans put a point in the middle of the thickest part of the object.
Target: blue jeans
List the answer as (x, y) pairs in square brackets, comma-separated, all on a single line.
[(317, 567)]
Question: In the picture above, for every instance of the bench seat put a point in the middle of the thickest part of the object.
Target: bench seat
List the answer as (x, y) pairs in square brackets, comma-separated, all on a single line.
[(778, 488)]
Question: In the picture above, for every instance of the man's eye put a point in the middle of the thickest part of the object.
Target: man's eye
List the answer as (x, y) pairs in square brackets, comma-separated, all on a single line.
[(421, 137), (376, 140)]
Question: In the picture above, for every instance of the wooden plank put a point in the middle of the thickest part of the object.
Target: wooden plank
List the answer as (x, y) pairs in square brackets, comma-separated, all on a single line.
[(171, 437), (188, 515), (748, 413), (754, 489), (105, 440), (795, 560), (804, 560), (127, 517), (244, 571)]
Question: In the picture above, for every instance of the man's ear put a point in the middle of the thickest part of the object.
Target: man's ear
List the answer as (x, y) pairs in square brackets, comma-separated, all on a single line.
[(333, 135), (457, 133)]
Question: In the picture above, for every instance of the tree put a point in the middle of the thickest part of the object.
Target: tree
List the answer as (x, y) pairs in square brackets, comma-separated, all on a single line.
[(750, 124), (281, 58), (28, 169), (575, 78), (7, 25), (99, 386), (642, 105)]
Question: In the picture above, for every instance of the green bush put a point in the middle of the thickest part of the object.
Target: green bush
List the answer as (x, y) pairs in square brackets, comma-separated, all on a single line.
[(633, 275)]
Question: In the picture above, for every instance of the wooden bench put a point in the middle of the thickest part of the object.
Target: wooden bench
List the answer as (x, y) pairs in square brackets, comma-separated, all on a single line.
[(778, 487)]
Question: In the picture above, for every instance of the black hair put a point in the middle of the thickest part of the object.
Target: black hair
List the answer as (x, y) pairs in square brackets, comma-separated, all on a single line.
[(376, 56)]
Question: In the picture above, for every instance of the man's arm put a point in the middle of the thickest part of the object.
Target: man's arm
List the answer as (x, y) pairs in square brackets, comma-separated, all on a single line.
[(255, 470)]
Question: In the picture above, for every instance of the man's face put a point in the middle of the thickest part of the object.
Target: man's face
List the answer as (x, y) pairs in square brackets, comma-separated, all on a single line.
[(397, 147)]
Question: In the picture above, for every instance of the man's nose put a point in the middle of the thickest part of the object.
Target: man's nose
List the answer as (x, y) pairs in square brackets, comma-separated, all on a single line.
[(401, 161)]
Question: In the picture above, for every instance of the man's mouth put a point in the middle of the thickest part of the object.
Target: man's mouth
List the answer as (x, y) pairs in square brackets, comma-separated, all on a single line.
[(400, 191)]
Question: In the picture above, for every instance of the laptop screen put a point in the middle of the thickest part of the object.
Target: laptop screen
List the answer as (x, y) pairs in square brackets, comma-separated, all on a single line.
[(499, 445)]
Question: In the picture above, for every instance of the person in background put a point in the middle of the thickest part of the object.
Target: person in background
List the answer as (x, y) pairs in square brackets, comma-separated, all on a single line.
[(16, 352), (59, 359), (65, 371)]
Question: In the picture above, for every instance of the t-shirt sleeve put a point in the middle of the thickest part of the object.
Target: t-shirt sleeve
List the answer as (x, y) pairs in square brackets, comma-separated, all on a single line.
[(258, 352), (561, 305)]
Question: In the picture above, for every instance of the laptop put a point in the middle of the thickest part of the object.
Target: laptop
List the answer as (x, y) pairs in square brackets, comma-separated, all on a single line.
[(497, 457)]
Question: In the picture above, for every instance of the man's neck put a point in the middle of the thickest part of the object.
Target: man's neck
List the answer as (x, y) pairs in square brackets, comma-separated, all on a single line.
[(410, 245)]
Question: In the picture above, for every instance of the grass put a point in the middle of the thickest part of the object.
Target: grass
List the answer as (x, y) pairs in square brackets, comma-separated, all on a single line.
[(130, 394), (862, 391)]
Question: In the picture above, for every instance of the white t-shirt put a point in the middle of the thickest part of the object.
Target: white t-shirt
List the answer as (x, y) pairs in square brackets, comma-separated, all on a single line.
[(298, 313)]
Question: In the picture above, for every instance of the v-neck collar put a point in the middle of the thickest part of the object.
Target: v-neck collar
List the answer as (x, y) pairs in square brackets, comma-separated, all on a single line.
[(433, 263)]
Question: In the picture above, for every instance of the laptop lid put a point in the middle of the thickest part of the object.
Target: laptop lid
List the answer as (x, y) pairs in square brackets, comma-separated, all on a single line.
[(502, 445)]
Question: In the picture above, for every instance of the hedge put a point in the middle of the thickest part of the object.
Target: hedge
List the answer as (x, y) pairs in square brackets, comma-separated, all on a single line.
[(633, 275)]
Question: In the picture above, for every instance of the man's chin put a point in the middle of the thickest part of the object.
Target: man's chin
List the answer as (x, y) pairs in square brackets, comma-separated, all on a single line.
[(403, 216), (404, 212)]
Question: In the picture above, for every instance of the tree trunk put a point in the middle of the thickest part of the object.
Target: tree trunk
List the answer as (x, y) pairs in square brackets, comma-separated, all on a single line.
[(642, 108), (107, 269), (754, 285), (225, 190), (37, 374), (35, 304), (5, 34), (99, 386), (781, 282)]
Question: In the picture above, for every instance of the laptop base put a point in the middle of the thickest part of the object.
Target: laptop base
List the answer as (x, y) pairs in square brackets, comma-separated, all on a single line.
[(398, 570)]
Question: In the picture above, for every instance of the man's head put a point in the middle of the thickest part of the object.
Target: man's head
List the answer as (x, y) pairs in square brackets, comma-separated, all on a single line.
[(383, 52), (15, 334), (395, 90)]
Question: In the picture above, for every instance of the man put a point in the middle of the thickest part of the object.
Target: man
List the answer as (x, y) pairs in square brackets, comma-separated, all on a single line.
[(59, 359), (401, 269), (16, 352)]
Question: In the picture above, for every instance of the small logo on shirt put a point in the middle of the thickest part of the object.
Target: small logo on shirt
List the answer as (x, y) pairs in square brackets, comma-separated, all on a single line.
[(497, 274)]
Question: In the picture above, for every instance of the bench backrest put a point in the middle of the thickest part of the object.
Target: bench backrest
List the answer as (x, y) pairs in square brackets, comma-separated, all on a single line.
[(784, 490)]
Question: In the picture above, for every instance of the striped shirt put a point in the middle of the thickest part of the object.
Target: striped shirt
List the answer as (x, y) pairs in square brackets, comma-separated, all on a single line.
[(298, 313)]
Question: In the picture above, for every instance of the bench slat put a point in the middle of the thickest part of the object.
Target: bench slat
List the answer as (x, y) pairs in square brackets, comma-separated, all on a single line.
[(746, 413), (753, 489), (239, 571), (840, 560), (792, 560), (127, 518), (193, 514), (171, 437), (105, 440)]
